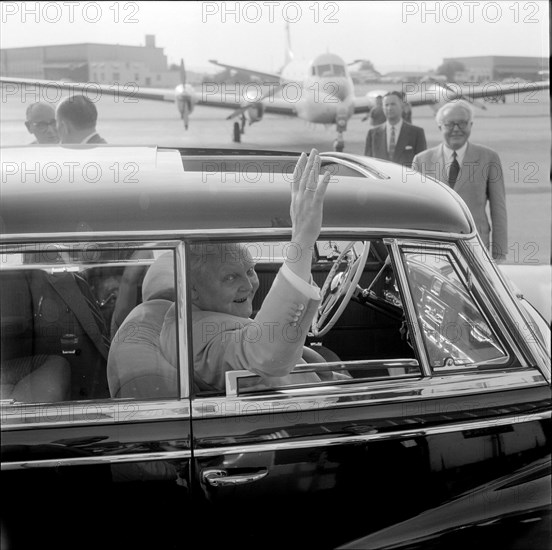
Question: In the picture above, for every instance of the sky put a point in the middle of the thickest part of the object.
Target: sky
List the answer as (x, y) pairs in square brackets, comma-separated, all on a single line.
[(393, 35)]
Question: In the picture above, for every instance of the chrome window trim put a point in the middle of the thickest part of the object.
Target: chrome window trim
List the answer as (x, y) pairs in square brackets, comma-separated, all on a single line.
[(184, 338), (410, 308), (365, 392), (106, 242), (27, 416), (174, 234), (23, 416), (283, 445)]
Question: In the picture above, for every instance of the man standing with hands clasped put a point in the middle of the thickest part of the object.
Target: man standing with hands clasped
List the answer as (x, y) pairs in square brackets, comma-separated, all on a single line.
[(473, 171), (395, 140)]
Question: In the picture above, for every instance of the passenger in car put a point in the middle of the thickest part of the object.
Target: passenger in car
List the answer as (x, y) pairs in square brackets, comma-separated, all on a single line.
[(35, 379), (223, 284)]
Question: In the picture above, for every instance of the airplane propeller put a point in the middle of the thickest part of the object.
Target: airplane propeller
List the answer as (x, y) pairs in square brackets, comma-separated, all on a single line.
[(185, 113)]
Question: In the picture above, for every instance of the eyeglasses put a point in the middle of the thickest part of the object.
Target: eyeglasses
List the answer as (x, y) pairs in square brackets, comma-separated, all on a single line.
[(43, 125), (463, 124)]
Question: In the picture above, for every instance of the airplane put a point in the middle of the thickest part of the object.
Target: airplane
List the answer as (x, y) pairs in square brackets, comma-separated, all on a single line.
[(320, 91)]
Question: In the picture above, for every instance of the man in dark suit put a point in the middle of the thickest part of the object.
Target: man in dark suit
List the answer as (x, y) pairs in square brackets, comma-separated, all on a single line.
[(395, 140), (76, 118)]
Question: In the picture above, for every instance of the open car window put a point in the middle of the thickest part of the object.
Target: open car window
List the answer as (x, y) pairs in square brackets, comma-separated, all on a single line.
[(367, 341)]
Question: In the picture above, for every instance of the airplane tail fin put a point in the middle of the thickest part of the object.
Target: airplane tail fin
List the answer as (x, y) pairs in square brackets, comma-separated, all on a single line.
[(288, 53)]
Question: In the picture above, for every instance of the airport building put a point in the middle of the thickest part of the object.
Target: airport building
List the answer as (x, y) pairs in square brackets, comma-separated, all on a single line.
[(484, 68), (101, 63)]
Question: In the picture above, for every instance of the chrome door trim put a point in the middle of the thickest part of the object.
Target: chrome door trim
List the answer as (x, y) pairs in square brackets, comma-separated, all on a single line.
[(366, 438), (89, 461), (284, 445)]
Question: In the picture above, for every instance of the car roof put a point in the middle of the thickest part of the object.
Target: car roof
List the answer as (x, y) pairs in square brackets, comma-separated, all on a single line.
[(68, 189)]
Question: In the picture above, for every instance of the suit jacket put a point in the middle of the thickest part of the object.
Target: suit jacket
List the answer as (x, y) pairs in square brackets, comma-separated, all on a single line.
[(410, 142), (96, 138), (269, 345), (480, 181), (57, 319)]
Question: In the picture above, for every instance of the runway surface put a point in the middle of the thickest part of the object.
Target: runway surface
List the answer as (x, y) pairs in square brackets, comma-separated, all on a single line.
[(518, 130)]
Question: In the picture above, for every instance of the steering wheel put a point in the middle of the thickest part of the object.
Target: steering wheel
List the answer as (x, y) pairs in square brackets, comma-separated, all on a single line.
[(337, 286)]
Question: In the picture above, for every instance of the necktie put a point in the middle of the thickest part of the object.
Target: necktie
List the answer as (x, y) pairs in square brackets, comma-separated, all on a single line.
[(94, 307), (392, 143), (453, 170)]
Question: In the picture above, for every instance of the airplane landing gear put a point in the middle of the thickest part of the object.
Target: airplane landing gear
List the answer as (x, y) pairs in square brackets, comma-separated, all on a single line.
[(339, 143), (236, 138)]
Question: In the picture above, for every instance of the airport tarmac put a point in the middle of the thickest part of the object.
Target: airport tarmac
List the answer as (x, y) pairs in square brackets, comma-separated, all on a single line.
[(518, 130)]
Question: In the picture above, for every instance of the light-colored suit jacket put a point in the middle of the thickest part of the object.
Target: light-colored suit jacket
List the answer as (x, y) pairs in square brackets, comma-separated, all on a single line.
[(410, 142), (269, 345), (480, 180)]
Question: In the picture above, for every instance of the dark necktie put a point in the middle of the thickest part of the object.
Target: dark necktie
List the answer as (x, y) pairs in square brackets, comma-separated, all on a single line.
[(453, 171), (392, 143), (94, 307)]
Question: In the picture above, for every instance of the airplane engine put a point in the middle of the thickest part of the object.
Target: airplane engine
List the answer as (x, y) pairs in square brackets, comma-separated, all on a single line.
[(255, 112)]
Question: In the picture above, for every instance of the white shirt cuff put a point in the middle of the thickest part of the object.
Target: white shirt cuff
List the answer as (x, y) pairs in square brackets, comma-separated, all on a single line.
[(310, 290)]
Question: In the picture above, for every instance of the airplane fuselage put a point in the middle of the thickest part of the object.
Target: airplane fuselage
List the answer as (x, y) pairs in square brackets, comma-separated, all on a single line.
[(325, 93)]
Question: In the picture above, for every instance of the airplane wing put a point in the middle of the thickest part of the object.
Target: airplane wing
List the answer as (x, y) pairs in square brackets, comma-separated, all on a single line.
[(260, 74), (211, 95), (364, 104), (127, 91), (432, 92)]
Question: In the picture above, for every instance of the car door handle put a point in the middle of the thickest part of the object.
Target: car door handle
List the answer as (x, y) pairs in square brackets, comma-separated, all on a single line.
[(220, 478)]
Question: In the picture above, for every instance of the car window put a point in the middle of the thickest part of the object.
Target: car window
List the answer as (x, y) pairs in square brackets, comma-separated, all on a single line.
[(81, 322), (457, 332), (368, 340)]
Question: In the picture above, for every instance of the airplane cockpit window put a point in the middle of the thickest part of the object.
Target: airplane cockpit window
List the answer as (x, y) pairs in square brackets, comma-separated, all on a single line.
[(329, 70)]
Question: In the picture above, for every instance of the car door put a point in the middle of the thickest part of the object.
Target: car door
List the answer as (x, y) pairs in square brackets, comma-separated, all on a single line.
[(324, 464), (85, 465)]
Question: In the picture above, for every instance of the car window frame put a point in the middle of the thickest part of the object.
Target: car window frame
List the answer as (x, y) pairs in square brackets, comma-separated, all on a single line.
[(320, 397), (18, 415)]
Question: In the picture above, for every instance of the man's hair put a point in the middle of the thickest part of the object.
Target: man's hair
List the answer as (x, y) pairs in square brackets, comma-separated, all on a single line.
[(32, 106), (395, 93), (79, 111), (466, 105)]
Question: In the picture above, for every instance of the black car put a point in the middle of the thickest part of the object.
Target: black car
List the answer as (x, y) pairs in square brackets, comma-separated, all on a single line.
[(437, 435)]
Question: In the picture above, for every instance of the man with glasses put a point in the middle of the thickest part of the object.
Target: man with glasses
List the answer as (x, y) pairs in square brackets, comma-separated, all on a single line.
[(41, 122), (473, 171)]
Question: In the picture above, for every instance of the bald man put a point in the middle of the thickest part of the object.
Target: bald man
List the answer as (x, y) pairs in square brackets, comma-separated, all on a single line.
[(41, 122)]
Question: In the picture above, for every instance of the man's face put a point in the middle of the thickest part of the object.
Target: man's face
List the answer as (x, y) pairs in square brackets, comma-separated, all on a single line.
[(42, 124), (227, 283), (392, 107), (455, 126)]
